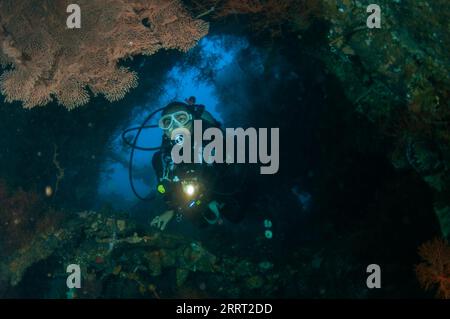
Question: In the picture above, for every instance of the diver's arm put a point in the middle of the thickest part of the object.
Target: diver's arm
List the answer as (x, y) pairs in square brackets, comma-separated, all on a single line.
[(162, 220)]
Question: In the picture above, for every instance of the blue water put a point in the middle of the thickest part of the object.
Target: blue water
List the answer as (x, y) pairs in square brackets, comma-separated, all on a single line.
[(181, 82)]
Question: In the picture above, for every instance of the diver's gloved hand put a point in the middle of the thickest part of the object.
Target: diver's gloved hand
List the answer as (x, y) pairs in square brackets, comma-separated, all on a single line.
[(162, 220)]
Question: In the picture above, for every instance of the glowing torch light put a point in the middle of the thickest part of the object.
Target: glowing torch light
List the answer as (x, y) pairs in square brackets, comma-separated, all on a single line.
[(189, 189)]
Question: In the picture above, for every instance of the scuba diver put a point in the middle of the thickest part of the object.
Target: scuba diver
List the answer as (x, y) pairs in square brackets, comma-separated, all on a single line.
[(202, 192)]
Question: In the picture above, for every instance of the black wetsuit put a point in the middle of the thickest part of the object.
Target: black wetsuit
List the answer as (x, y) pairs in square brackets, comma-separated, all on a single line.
[(213, 182)]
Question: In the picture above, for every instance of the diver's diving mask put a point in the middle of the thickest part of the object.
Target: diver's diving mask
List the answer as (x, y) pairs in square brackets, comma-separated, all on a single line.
[(176, 119)]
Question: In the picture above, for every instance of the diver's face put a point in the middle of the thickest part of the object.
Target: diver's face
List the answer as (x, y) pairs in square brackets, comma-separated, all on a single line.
[(172, 121), (187, 126)]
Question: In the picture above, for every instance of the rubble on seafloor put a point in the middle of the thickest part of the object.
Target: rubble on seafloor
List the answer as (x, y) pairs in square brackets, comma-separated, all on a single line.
[(109, 248)]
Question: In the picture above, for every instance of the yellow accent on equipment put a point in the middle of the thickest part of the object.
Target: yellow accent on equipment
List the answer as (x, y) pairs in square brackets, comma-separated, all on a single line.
[(161, 189)]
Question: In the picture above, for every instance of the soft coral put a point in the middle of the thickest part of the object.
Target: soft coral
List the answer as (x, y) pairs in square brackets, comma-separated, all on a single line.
[(18, 214), (434, 270)]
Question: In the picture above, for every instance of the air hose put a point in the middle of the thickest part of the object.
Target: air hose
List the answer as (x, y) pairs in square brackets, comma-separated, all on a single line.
[(136, 147)]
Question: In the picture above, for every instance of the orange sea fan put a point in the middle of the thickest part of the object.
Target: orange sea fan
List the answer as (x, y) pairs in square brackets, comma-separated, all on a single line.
[(17, 211), (434, 270), (268, 15), (23, 217), (49, 61)]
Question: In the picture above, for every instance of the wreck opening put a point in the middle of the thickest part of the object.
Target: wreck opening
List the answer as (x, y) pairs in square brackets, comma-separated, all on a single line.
[(363, 153)]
